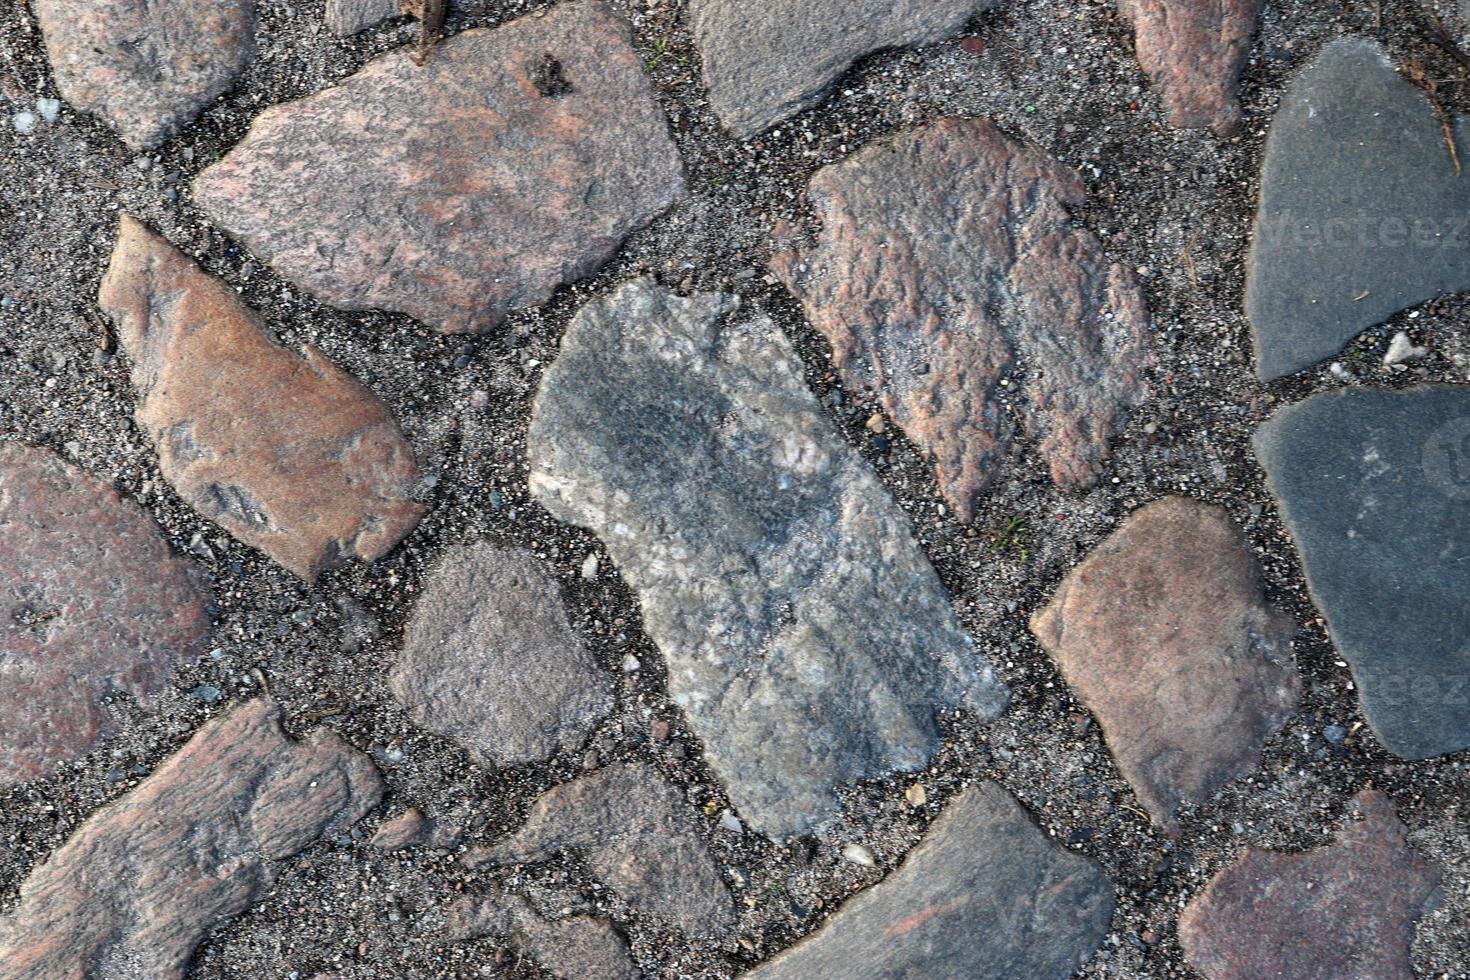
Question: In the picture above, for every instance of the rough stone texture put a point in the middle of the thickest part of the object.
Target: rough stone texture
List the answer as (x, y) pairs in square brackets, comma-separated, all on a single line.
[(984, 895), (1342, 911), (765, 61), (289, 454), (490, 660), (146, 878), (457, 191), (807, 637), (94, 603), (1375, 488), (402, 831), (578, 947), (1164, 633), (346, 17), (947, 261), (633, 829), (1361, 211), (1194, 50), (147, 67)]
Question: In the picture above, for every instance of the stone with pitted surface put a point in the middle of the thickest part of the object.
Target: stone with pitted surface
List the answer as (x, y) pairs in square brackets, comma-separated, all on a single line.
[(949, 277), (1193, 50)]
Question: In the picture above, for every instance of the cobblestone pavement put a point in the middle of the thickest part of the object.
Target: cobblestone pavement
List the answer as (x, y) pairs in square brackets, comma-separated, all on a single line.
[(696, 488)]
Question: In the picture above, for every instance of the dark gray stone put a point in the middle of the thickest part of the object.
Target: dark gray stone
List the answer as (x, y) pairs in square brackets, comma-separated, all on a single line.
[(1375, 487), (807, 637), (764, 61), (347, 17), (1362, 211), (985, 895), (490, 660), (636, 833)]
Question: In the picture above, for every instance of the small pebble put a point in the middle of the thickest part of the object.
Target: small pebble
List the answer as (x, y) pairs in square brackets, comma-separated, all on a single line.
[(207, 693), (858, 854), (1334, 734), (23, 122), (50, 109), (916, 795), (1400, 349), (631, 664), (589, 568), (730, 822)]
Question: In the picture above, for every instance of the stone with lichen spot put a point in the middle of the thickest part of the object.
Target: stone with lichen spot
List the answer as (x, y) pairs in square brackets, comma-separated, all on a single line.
[(765, 61), (1345, 910), (1194, 50), (95, 604), (1163, 632), (574, 947), (147, 67), (515, 160), (808, 639), (634, 830), (143, 881), (949, 277), (490, 660), (984, 894), (288, 453)]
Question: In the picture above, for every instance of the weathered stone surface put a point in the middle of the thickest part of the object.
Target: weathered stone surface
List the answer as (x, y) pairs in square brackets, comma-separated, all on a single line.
[(400, 832), (490, 660), (146, 878), (1346, 910), (578, 947), (765, 61), (807, 638), (94, 603), (146, 66), (346, 17), (634, 831), (1375, 488), (985, 895), (1361, 213), (947, 256), (289, 454), (462, 189), (1164, 633), (1194, 50)]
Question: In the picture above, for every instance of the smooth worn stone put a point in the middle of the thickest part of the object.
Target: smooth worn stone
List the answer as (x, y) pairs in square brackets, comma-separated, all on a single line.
[(1165, 634), (635, 832), (145, 879), (578, 947), (95, 604), (1375, 488), (1194, 50), (1342, 911), (513, 161), (402, 831), (490, 660), (288, 453), (1363, 209), (347, 17), (147, 67), (946, 260), (765, 61), (985, 896), (807, 638)]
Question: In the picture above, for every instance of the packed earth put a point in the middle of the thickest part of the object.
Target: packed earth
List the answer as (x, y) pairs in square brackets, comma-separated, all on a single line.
[(702, 488)]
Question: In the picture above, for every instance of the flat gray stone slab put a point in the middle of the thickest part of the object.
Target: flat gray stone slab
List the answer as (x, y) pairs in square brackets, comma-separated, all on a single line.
[(513, 161), (765, 60), (491, 661), (1362, 213), (807, 637), (1375, 487), (985, 896), (347, 17)]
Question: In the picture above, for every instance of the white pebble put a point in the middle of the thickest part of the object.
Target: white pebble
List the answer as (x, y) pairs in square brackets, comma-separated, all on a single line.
[(631, 664), (858, 854), (1401, 348), (23, 122), (731, 823), (50, 109), (589, 567)]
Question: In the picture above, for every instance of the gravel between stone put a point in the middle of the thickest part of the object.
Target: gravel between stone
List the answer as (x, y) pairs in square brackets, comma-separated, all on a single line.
[(1173, 205)]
